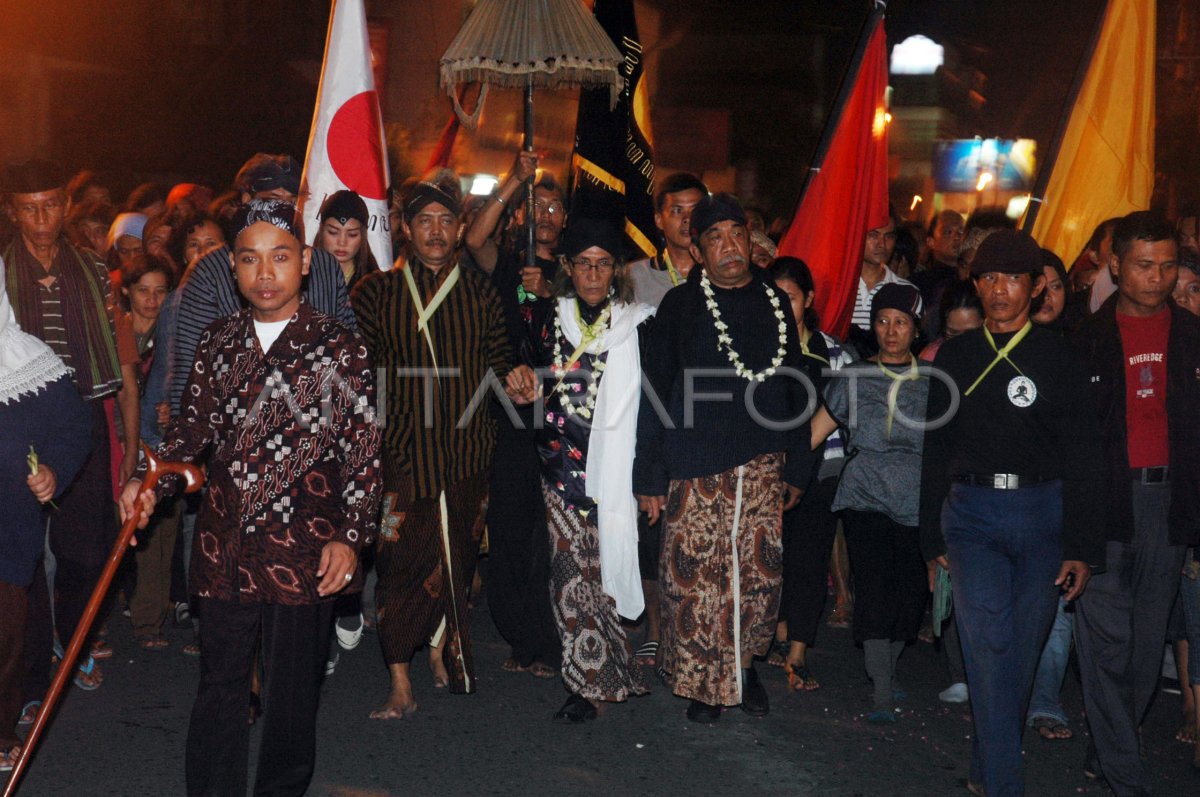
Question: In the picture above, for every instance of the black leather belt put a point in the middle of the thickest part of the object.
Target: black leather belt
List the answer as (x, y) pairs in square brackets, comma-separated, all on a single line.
[(999, 481), (1158, 475)]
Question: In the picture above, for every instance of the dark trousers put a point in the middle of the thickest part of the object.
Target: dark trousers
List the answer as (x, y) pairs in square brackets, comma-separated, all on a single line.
[(13, 603), (808, 532), (1120, 628), (518, 570), (1005, 550), (890, 581), (39, 638), (81, 532), (294, 642)]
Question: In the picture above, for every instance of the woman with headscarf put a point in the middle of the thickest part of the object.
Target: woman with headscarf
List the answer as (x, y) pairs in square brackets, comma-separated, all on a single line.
[(45, 435), (881, 411), (124, 240), (588, 338)]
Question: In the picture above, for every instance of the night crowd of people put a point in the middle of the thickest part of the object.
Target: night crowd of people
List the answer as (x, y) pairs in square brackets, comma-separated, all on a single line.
[(669, 464)]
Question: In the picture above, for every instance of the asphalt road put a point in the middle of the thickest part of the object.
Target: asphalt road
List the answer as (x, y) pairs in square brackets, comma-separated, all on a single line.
[(127, 738)]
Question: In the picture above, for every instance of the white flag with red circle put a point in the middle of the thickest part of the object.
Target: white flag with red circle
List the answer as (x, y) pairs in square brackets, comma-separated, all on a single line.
[(346, 148)]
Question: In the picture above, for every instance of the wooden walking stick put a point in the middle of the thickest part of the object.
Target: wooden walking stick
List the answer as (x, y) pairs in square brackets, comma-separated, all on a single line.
[(155, 471)]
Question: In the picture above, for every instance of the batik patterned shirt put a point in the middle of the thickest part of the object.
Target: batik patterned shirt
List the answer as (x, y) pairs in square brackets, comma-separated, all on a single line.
[(294, 455)]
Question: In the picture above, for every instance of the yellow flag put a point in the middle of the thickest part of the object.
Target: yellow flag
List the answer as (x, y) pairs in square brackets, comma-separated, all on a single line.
[(1105, 165)]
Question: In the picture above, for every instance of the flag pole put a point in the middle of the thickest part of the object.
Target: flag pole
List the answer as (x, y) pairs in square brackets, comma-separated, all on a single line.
[(530, 237), (1038, 195), (845, 89)]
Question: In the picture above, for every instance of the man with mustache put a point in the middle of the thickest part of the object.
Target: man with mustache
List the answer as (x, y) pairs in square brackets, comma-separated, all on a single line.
[(720, 463), (1008, 470), (436, 332)]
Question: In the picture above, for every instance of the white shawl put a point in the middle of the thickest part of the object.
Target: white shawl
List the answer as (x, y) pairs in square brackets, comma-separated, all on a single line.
[(26, 363), (609, 468)]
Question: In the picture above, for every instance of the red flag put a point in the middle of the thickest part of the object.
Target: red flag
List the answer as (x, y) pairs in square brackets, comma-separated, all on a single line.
[(847, 192)]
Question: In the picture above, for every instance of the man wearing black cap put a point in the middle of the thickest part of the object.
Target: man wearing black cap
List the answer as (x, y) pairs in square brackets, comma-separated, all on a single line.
[(1008, 469), (208, 291), (62, 295), (1144, 356), (723, 437), (290, 504), (438, 332)]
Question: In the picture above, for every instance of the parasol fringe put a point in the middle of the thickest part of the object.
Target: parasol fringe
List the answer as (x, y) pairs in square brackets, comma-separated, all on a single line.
[(541, 43)]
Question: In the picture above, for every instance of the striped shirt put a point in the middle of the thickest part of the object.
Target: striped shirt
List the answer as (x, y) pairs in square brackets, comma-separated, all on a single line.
[(430, 441), (209, 292), (862, 305), (54, 328)]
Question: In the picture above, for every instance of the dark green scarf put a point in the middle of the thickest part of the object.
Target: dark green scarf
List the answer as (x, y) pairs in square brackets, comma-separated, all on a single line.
[(85, 310)]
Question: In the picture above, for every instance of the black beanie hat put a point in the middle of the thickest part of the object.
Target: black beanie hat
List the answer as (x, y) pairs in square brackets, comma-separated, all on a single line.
[(897, 296), (32, 177), (585, 233), (715, 208), (1008, 252)]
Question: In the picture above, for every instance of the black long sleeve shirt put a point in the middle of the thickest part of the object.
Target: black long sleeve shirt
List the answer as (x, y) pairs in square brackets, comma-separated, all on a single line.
[(1049, 437), (719, 433)]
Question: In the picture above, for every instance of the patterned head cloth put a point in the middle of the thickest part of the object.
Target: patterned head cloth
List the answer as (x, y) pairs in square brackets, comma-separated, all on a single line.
[(275, 212), (426, 193)]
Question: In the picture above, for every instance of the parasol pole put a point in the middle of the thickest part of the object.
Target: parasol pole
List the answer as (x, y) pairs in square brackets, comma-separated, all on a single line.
[(530, 237), (66, 668)]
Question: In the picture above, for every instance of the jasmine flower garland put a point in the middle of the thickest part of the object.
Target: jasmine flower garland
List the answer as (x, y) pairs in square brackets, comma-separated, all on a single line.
[(560, 367), (725, 343)]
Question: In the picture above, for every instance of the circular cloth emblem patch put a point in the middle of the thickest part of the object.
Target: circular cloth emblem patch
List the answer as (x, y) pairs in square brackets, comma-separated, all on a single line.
[(1022, 391)]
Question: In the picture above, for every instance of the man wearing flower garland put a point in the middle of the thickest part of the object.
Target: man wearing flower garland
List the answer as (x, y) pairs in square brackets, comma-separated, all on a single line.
[(723, 437)]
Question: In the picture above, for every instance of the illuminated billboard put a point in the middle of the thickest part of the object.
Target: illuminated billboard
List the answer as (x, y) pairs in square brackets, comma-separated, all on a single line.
[(973, 163)]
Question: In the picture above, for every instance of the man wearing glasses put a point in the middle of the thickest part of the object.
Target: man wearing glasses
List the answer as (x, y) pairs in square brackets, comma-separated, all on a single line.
[(518, 559)]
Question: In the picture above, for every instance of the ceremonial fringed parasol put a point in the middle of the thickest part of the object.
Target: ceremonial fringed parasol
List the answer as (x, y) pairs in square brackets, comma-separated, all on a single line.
[(528, 44)]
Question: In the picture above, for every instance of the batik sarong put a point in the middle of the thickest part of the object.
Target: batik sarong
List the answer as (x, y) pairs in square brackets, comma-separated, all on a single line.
[(721, 570), (596, 660), (425, 570)]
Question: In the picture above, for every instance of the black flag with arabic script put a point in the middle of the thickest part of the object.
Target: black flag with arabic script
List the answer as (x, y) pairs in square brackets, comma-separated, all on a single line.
[(612, 169)]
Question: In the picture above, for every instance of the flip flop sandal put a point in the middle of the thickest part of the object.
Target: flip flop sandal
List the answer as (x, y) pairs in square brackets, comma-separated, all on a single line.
[(9, 758), (1051, 729), (29, 712), (799, 677), (647, 654), (87, 669), (101, 650), (777, 655)]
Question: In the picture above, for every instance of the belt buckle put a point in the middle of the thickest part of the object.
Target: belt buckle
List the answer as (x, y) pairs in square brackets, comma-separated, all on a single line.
[(1155, 475), (1000, 481)]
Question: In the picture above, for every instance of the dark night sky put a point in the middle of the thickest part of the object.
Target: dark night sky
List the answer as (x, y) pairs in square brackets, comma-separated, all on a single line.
[(195, 105)]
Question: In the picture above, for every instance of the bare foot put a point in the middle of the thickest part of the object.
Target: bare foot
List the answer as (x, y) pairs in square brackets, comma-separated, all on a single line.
[(400, 704), (441, 678), (542, 670), (510, 665)]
